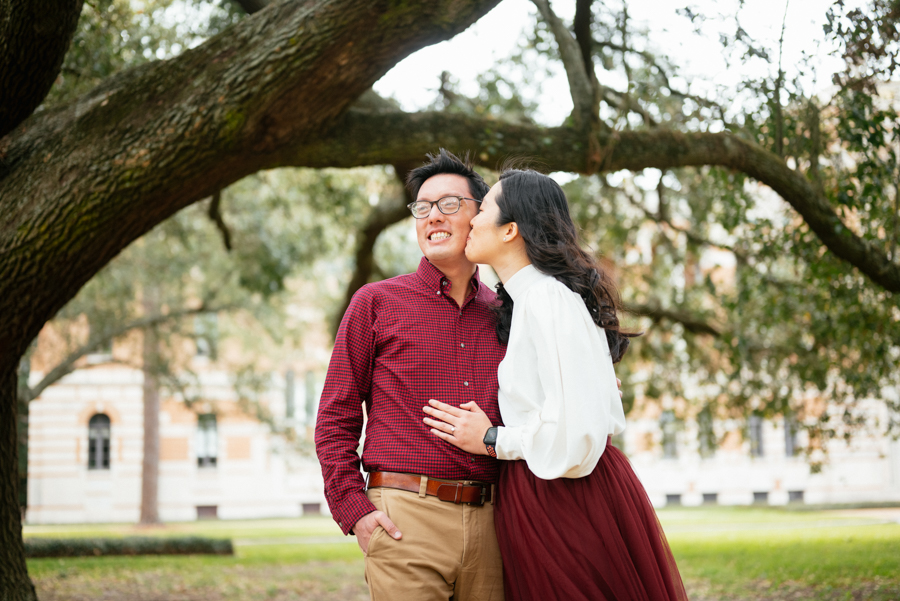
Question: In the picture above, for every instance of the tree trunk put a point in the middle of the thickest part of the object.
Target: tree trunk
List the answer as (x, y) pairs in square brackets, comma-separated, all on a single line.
[(22, 400), (150, 466), (14, 582), (34, 38)]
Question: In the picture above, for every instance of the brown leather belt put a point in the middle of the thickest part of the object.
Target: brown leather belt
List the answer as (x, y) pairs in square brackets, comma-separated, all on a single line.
[(469, 492)]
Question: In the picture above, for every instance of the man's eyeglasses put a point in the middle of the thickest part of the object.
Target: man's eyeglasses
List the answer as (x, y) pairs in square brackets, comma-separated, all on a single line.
[(447, 205)]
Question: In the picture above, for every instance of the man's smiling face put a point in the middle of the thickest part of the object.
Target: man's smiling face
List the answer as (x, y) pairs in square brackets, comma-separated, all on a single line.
[(442, 238)]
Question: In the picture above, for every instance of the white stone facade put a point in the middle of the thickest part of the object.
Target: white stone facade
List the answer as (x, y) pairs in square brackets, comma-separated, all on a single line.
[(257, 474), (867, 470)]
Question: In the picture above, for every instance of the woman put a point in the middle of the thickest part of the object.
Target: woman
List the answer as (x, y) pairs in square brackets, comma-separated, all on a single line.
[(572, 519)]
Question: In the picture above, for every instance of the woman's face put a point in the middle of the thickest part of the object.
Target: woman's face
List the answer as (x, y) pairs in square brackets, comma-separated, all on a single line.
[(485, 241)]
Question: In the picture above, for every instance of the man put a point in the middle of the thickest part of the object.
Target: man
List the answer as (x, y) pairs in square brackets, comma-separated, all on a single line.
[(425, 523)]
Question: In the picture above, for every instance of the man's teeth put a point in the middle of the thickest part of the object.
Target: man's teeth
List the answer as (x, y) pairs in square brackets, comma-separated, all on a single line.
[(439, 236)]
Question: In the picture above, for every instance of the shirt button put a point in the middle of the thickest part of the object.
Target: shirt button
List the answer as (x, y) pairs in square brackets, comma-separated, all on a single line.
[(462, 344), (438, 291), (465, 383)]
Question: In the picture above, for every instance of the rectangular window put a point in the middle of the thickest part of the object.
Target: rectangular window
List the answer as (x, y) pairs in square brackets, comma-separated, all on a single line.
[(289, 394), (207, 440), (668, 426), (761, 498), (312, 508), (710, 498), (705, 433), (790, 436), (673, 500), (755, 426), (795, 496)]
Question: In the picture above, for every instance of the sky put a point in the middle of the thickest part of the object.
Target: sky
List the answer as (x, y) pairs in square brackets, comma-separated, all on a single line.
[(415, 80)]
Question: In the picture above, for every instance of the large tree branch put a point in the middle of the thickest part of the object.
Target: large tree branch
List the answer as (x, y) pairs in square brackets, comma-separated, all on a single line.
[(102, 339), (577, 71), (581, 27), (34, 38), (365, 137), (80, 182), (692, 323)]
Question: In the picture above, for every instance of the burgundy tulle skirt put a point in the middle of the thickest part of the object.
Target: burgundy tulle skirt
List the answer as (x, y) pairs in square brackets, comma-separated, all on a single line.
[(593, 538)]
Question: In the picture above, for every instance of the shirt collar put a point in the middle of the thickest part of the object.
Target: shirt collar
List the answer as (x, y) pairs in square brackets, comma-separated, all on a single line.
[(522, 280), (435, 279)]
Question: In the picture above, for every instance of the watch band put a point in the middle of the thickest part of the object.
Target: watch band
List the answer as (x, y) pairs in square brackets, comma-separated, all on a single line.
[(490, 441)]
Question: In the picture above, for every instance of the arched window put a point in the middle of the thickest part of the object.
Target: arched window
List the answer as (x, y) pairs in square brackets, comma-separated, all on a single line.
[(98, 442)]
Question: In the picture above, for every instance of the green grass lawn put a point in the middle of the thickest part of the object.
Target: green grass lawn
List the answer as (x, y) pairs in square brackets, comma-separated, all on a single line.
[(723, 553), (766, 553)]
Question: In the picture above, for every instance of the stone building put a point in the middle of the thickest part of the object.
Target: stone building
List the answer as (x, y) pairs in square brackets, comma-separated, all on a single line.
[(216, 460)]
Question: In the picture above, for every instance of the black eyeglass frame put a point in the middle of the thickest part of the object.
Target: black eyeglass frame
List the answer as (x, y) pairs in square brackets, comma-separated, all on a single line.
[(411, 206)]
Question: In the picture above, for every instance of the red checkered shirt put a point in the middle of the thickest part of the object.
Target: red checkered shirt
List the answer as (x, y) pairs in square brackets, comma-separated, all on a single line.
[(403, 341)]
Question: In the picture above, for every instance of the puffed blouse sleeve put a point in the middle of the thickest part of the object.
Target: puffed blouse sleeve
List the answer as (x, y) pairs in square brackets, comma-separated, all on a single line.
[(565, 434)]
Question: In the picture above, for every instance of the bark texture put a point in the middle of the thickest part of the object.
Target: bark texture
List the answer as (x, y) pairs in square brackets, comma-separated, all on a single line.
[(34, 38), (14, 582)]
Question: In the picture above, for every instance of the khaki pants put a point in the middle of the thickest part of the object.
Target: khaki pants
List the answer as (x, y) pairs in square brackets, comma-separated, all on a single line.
[(448, 551)]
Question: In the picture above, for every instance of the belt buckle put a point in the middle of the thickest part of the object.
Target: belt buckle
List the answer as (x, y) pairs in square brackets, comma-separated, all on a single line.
[(480, 501)]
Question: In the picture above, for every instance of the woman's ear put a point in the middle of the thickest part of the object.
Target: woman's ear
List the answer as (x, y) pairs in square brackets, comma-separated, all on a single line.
[(511, 230)]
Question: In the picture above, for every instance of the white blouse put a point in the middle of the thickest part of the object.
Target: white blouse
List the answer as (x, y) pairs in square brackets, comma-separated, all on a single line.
[(558, 395)]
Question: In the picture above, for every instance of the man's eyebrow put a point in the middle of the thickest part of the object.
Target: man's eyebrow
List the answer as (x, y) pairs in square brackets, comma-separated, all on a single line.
[(444, 195)]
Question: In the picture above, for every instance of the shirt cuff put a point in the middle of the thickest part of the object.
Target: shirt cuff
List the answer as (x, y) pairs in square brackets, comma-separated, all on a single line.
[(355, 506), (509, 443)]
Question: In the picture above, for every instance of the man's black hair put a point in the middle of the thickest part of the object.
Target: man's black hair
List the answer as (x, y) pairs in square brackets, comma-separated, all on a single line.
[(447, 162)]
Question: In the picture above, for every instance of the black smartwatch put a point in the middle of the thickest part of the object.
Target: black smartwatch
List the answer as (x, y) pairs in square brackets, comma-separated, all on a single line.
[(490, 441)]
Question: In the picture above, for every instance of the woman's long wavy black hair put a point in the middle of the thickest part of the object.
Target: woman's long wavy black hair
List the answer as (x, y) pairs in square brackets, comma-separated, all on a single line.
[(539, 208)]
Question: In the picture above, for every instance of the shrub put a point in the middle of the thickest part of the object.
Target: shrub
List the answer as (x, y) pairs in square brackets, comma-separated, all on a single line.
[(132, 545)]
